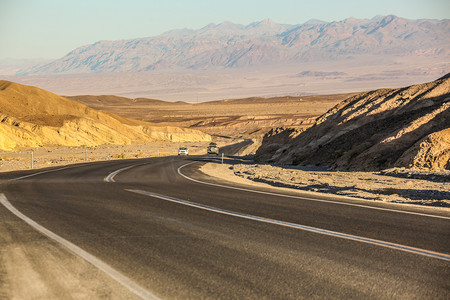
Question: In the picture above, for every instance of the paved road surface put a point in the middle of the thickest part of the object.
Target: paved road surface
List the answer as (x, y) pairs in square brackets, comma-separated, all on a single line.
[(174, 250)]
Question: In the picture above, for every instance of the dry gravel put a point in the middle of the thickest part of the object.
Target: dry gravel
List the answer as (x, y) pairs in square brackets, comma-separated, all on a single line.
[(395, 185), (58, 156)]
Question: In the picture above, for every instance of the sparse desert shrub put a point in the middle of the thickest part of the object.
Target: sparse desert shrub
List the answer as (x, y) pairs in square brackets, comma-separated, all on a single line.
[(389, 191), (6, 158)]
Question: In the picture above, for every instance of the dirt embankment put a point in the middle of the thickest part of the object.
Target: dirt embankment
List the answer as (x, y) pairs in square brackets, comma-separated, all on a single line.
[(31, 117), (386, 128)]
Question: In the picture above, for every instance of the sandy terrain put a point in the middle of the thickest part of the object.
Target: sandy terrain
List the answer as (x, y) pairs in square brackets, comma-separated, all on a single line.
[(396, 185), (233, 117), (58, 156)]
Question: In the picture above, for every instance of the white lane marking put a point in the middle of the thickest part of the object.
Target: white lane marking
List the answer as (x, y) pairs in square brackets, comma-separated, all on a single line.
[(110, 177), (114, 274), (437, 255), (308, 199)]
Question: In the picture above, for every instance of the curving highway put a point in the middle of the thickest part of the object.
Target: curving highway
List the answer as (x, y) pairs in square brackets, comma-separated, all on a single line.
[(162, 229)]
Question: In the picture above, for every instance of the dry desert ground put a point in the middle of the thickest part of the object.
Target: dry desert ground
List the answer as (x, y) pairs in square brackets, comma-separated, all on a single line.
[(230, 121)]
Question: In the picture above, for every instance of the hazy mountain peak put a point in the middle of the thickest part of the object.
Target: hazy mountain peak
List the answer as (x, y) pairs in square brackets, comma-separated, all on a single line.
[(314, 22), (210, 25), (228, 25), (377, 18), (266, 22), (260, 43), (388, 19), (352, 20), (178, 32)]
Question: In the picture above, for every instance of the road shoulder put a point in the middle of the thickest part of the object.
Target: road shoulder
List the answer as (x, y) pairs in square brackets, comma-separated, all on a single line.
[(349, 189), (34, 267)]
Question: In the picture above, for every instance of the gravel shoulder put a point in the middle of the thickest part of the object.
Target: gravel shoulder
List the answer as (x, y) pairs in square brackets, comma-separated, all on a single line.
[(395, 185), (59, 156)]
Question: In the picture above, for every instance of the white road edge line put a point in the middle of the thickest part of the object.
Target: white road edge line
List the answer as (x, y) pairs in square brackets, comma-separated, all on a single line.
[(114, 274), (418, 251), (48, 171), (306, 198), (55, 170)]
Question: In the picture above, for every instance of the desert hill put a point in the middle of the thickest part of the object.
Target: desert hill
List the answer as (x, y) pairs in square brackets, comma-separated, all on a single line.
[(32, 117), (385, 128), (111, 100), (249, 117)]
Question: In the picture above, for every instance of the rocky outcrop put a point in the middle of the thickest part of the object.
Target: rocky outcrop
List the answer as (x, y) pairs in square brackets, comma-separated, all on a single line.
[(274, 139), (31, 117), (406, 127), (432, 152)]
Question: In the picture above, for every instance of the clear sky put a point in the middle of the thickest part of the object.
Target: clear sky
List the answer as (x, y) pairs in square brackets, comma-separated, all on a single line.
[(52, 28)]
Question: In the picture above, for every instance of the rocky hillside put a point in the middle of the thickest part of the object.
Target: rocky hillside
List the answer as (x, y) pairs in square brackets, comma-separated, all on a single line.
[(385, 128), (31, 117), (262, 43)]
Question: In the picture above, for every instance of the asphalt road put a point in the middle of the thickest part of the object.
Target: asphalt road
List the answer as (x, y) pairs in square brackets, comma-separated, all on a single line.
[(177, 250)]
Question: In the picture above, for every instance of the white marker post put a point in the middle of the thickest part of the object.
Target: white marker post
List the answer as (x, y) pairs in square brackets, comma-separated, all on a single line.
[(222, 158), (32, 159), (85, 153)]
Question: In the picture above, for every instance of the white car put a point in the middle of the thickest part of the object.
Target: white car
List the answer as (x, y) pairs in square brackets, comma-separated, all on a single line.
[(183, 151)]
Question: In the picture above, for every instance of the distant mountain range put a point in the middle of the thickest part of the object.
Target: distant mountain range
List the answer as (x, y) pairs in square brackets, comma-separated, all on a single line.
[(229, 45)]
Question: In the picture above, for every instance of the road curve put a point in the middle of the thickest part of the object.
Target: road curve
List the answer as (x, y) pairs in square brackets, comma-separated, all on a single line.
[(174, 250)]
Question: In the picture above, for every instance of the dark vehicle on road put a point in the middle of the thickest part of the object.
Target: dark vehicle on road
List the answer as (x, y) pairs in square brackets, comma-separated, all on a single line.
[(213, 149)]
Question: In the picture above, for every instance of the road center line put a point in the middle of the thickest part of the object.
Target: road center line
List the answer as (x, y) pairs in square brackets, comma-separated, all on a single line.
[(110, 177), (306, 198), (113, 273), (418, 251)]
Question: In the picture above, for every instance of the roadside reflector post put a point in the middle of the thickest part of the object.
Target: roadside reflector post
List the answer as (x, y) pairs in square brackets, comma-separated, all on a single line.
[(85, 153), (222, 158), (32, 159)]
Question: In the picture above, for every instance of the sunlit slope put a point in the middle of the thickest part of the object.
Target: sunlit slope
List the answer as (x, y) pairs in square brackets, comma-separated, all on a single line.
[(32, 117), (385, 128)]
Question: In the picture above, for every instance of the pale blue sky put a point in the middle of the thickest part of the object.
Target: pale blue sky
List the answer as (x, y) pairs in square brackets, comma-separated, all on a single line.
[(52, 28)]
